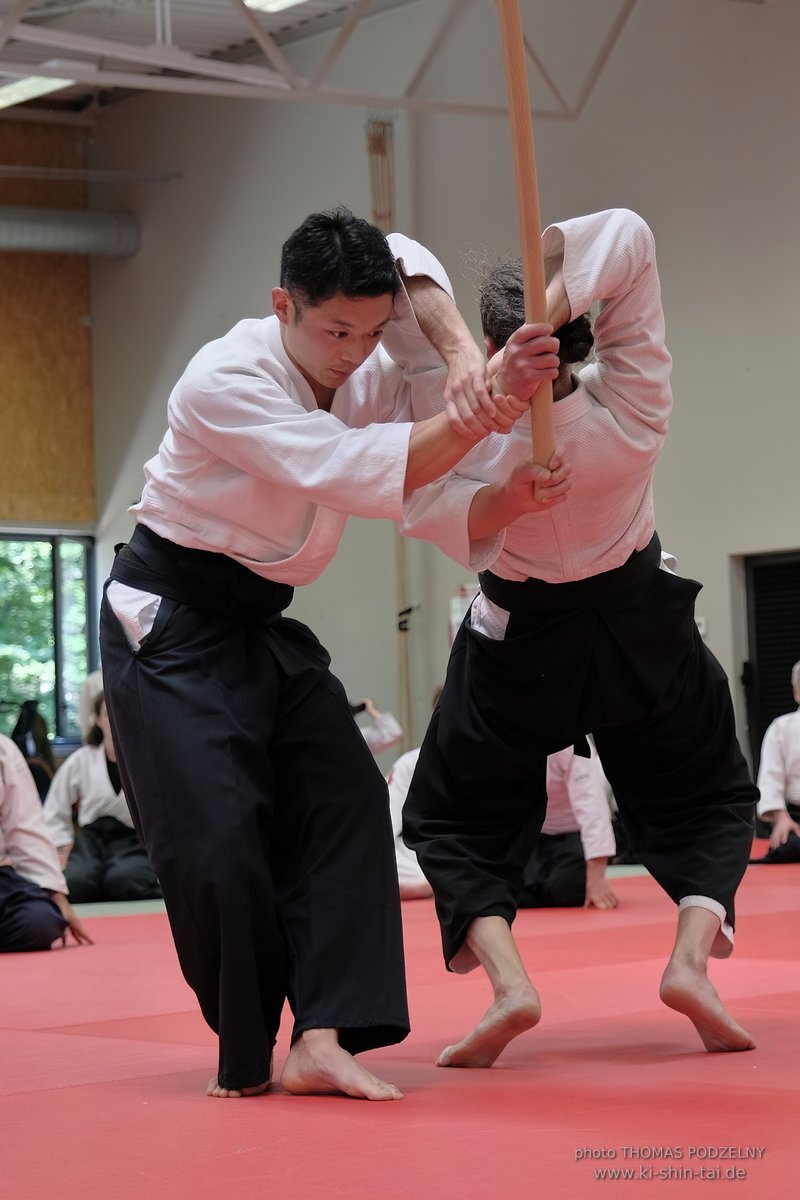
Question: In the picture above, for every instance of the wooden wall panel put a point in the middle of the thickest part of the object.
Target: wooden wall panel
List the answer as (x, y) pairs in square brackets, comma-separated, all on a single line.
[(46, 435)]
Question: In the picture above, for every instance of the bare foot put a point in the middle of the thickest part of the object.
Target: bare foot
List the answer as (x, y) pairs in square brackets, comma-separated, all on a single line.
[(510, 1014), (688, 990), (317, 1065), (214, 1089)]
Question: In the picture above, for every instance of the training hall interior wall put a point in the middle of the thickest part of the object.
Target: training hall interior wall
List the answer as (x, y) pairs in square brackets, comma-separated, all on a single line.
[(693, 123), (46, 448)]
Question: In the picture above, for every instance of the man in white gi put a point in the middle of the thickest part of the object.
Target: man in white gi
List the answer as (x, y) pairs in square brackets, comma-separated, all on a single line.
[(263, 812), (89, 820), (779, 782), (567, 868), (576, 630), (34, 909)]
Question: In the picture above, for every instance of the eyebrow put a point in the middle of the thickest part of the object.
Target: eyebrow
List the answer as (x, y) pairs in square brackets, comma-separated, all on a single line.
[(349, 325)]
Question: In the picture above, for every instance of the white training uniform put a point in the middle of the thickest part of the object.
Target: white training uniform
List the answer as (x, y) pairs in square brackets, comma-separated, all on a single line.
[(273, 491), (779, 767), (25, 841), (577, 802), (82, 780)]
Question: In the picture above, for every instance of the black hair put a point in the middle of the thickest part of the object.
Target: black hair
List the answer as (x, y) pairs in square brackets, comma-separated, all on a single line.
[(95, 735), (334, 253), (502, 307)]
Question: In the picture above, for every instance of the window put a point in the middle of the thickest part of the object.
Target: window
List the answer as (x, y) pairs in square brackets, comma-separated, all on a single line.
[(47, 624)]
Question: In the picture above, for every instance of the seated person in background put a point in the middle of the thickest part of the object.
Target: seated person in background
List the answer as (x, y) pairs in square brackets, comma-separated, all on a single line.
[(91, 688), (413, 884), (105, 860), (779, 783), (34, 910), (385, 730), (568, 865)]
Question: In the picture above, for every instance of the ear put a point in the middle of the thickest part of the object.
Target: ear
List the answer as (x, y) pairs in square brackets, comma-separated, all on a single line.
[(283, 305), (491, 348)]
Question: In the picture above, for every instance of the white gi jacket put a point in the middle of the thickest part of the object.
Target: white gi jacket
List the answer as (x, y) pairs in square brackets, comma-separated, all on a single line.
[(252, 468), (779, 767), (82, 779), (577, 801), (399, 781), (384, 732), (610, 429), (25, 841)]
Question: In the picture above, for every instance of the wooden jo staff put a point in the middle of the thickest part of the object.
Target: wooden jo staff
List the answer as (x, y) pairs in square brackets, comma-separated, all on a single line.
[(519, 111)]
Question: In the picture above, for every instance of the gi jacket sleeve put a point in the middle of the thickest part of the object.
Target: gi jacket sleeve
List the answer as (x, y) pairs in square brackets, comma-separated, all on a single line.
[(609, 258), (23, 831), (438, 512)]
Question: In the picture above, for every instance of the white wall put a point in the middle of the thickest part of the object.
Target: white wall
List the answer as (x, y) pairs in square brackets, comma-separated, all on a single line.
[(693, 123)]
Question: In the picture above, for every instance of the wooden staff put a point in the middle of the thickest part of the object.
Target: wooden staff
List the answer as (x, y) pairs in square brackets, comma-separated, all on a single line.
[(530, 229)]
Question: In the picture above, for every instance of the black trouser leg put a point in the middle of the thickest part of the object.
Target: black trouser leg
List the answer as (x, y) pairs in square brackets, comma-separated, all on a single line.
[(29, 919), (555, 874), (84, 869), (335, 870), (478, 796), (192, 714), (683, 788)]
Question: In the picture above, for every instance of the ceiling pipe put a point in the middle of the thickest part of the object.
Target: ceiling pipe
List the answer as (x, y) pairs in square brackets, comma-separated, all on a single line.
[(59, 231)]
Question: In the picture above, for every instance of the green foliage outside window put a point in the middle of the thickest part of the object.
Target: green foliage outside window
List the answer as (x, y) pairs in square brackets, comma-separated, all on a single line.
[(44, 629)]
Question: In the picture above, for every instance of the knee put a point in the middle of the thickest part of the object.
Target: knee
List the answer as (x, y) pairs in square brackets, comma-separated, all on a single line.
[(82, 889), (569, 893), (568, 888), (36, 928), (139, 884)]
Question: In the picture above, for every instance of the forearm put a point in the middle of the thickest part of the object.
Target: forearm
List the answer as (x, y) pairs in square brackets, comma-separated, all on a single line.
[(438, 318), (559, 310), (595, 870), (433, 450), (491, 510)]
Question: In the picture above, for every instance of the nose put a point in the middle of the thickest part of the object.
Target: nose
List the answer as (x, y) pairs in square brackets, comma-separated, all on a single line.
[(356, 351)]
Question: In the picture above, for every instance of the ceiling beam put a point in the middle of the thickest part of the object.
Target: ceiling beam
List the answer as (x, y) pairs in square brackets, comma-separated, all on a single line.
[(345, 33), (267, 44), (8, 26)]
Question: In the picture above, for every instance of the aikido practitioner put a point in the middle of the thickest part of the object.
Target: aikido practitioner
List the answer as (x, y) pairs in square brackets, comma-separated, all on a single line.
[(577, 630), (264, 814)]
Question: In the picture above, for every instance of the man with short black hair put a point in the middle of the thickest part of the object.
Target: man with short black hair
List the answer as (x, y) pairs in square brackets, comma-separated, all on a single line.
[(262, 809)]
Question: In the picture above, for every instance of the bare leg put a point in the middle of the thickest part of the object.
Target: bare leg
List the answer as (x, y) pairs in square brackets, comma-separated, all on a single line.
[(685, 985), (516, 1005), (317, 1065)]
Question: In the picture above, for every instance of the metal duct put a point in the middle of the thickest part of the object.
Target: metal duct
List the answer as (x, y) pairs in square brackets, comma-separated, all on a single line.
[(60, 231)]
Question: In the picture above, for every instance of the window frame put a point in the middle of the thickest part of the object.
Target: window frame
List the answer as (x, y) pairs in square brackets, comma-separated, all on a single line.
[(55, 539)]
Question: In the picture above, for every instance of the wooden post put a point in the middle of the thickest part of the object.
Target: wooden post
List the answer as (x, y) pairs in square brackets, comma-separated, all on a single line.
[(530, 229)]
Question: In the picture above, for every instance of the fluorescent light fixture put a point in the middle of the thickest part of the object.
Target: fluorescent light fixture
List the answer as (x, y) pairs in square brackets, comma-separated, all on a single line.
[(273, 6), (28, 88)]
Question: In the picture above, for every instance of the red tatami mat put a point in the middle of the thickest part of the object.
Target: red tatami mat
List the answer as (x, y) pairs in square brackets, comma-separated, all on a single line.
[(105, 1061)]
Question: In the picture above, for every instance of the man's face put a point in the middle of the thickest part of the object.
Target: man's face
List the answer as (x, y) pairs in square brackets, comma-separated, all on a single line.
[(327, 343)]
